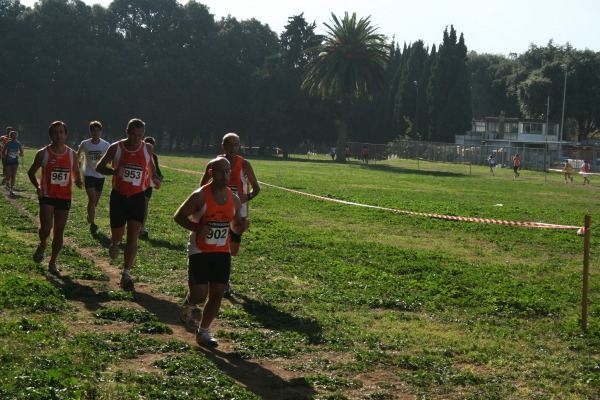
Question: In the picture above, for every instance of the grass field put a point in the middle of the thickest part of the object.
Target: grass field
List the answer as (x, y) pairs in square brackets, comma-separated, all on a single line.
[(332, 301)]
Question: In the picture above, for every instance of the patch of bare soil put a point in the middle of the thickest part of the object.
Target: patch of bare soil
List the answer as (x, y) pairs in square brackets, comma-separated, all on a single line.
[(266, 378)]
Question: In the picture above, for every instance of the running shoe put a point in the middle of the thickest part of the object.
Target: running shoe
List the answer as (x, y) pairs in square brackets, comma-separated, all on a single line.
[(203, 338), (12, 193), (143, 233), (228, 291), (126, 282), (94, 229), (38, 256), (113, 250), (185, 311), (52, 269), (8, 185)]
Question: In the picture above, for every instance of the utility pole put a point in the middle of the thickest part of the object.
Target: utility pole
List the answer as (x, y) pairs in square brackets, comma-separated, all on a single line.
[(417, 112), (562, 123)]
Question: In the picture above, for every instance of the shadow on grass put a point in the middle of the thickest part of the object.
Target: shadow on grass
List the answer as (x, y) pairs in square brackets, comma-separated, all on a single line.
[(256, 378), (164, 244), (274, 319)]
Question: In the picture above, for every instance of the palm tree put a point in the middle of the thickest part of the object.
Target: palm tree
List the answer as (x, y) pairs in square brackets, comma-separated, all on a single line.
[(351, 62)]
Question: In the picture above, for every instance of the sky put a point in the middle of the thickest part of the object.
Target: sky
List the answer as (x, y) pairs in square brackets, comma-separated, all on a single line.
[(498, 27)]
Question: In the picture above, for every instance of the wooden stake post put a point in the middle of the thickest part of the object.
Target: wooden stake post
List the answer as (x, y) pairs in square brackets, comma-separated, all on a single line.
[(586, 263)]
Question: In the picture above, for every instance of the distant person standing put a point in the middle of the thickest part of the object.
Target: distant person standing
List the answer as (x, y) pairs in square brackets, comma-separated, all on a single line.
[(332, 153), (11, 151), (585, 170), (3, 140), (567, 170), (54, 190), (143, 233), (516, 165), (215, 211), (366, 154), (130, 160), (347, 152), (492, 162), (92, 150)]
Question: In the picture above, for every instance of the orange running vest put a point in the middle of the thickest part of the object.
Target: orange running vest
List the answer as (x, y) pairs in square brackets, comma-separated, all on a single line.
[(57, 171), (218, 218), (136, 165)]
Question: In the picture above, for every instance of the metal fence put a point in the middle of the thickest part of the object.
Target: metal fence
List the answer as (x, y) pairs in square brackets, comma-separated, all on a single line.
[(531, 158)]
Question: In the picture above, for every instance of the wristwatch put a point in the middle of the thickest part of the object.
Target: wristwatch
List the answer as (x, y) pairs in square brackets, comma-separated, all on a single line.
[(250, 196)]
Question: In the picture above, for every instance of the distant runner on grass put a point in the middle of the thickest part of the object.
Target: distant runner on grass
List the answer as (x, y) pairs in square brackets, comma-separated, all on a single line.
[(92, 150), (585, 170), (567, 170), (11, 152), (130, 159), (143, 233), (3, 140), (241, 175), (492, 162), (516, 165), (215, 210), (54, 190)]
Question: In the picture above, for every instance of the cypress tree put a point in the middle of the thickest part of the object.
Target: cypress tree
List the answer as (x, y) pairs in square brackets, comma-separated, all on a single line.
[(449, 89), (424, 122), (406, 96)]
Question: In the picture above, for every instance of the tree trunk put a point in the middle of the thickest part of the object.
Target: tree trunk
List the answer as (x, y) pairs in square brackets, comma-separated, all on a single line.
[(341, 144)]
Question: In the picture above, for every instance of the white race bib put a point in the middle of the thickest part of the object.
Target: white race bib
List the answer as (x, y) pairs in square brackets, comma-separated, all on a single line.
[(133, 174), (60, 176), (233, 188), (219, 230), (12, 153), (94, 155)]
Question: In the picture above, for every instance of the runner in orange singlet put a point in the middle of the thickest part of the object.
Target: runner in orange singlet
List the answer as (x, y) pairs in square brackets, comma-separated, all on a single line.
[(131, 160), (215, 210), (241, 175), (516, 164), (54, 190)]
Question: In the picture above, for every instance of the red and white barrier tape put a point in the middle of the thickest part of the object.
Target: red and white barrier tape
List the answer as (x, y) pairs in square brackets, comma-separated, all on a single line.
[(439, 216)]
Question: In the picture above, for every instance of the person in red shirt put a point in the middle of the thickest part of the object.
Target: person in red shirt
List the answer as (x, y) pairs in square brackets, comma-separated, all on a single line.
[(366, 154), (215, 210), (131, 159), (54, 190), (585, 170), (516, 165)]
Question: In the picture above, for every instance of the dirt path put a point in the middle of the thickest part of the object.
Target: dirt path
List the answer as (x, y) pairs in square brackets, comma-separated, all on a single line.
[(266, 378)]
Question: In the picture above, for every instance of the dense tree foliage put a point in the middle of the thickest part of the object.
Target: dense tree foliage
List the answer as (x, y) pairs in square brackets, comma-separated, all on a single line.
[(193, 78), (351, 63)]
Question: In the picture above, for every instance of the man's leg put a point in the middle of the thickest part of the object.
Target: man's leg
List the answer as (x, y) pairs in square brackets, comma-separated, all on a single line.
[(133, 228), (46, 219), (91, 205), (213, 304), (60, 221)]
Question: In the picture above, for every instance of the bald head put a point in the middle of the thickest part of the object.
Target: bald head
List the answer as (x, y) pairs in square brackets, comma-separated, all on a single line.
[(220, 170)]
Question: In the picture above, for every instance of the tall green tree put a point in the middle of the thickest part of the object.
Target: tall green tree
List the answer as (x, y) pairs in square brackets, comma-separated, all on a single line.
[(406, 96), (540, 72), (449, 92), (351, 63)]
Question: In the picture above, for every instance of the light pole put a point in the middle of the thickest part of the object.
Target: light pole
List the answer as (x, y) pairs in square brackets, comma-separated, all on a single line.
[(562, 123), (417, 112)]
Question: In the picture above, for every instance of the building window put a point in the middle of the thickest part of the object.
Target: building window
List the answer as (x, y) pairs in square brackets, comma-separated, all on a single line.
[(526, 127), (553, 129), (492, 126), (511, 127), (537, 128)]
